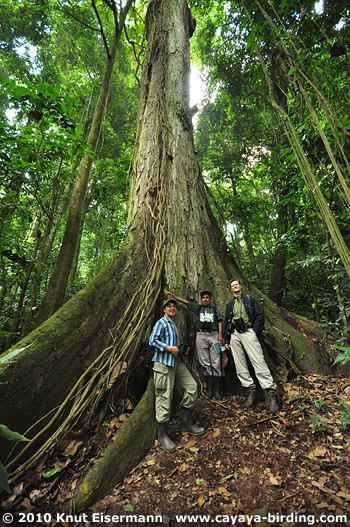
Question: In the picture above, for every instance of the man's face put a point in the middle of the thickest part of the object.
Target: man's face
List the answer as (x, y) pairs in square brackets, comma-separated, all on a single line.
[(236, 288), (170, 309), (206, 300)]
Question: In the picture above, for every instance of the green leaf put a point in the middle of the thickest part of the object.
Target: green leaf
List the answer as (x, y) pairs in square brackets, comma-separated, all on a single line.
[(4, 484), (50, 473), (13, 353), (343, 359), (11, 436), (128, 507)]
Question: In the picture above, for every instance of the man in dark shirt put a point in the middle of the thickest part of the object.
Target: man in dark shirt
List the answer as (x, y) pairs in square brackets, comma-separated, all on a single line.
[(209, 340)]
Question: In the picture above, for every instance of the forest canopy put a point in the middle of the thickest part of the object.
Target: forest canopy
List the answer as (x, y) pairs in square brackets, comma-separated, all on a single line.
[(273, 124)]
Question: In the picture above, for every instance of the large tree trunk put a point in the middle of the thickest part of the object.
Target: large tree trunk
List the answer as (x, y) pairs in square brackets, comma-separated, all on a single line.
[(173, 242), (121, 455), (56, 289)]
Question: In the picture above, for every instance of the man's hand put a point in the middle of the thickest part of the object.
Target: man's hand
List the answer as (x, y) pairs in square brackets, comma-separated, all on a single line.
[(175, 297), (175, 350), (227, 346)]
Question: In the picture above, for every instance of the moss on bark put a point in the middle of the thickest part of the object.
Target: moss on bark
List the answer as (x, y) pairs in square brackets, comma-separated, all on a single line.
[(45, 365)]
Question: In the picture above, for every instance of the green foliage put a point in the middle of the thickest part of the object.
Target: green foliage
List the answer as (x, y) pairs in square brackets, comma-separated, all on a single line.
[(318, 424), (49, 90), (10, 436), (44, 129), (38, 149), (345, 416), (240, 121), (318, 403), (50, 473), (343, 358), (4, 479)]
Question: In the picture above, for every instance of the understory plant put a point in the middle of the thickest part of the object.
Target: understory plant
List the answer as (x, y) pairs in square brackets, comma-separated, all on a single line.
[(11, 436)]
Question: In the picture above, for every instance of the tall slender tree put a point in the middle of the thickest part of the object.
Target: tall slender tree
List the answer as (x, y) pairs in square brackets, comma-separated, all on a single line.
[(56, 288)]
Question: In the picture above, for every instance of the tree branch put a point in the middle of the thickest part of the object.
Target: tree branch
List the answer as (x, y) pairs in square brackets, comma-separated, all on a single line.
[(112, 7), (136, 55), (77, 19), (101, 28)]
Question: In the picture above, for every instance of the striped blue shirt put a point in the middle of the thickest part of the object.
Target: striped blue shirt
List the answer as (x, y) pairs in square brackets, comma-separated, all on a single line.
[(164, 334)]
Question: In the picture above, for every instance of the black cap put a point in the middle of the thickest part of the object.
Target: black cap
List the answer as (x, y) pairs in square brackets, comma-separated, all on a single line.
[(205, 293)]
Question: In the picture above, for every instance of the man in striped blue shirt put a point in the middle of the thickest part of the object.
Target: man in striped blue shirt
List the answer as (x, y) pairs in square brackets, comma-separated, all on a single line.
[(170, 372)]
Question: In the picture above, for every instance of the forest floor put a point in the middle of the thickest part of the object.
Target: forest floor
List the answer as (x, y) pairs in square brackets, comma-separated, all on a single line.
[(249, 468)]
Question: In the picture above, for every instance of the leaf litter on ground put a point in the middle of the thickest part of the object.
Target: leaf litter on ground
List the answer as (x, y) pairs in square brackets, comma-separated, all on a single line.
[(295, 461)]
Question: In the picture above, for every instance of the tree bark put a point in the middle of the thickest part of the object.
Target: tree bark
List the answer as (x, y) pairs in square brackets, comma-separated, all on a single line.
[(121, 455), (280, 257), (173, 242), (250, 249)]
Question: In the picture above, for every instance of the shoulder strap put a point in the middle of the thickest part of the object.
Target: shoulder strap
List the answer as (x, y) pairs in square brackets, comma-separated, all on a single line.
[(177, 331), (231, 309), (249, 297)]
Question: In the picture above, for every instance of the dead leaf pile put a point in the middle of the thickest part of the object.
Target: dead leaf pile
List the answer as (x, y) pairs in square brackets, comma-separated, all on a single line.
[(295, 461)]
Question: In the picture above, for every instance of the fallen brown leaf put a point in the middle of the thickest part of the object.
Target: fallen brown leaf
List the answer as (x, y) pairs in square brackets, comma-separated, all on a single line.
[(201, 500), (216, 433), (190, 443), (318, 451), (344, 495), (226, 478), (274, 481)]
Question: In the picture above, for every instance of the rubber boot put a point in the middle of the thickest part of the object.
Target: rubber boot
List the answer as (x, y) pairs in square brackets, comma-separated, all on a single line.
[(216, 384), (187, 425), (165, 441), (273, 401), (250, 400), (209, 390)]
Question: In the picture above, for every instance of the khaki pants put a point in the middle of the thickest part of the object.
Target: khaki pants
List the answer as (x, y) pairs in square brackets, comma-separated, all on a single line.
[(166, 378), (249, 342), (208, 357)]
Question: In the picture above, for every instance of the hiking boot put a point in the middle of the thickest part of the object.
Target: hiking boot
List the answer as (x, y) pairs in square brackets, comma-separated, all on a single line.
[(187, 425), (250, 400), (209, 390), (273, 401), (165, 441), (216, 385)]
